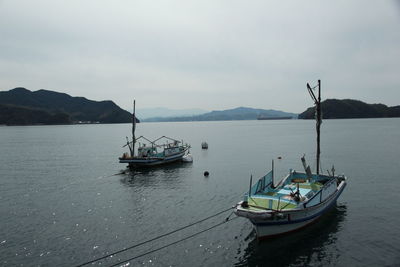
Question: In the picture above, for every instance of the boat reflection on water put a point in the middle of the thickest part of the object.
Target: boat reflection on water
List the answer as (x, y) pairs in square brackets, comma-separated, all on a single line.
[(313, 245), (171, 173)]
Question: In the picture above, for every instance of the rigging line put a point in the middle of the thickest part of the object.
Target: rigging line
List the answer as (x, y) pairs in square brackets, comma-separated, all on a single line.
[(174, 243), (91, 179), (153, 239)]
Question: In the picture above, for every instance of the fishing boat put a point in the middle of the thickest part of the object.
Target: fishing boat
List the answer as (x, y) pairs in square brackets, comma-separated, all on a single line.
[(295, 201), (149, 153), (262, 117)]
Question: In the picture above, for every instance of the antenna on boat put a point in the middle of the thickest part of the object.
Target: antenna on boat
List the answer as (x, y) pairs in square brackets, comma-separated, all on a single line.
[(317, 102), (133, 130), (272, 174), (251, 181)]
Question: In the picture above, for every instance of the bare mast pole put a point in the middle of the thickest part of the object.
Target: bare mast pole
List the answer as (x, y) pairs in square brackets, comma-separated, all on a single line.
[(133, 130), (319, 120), (317, 102)]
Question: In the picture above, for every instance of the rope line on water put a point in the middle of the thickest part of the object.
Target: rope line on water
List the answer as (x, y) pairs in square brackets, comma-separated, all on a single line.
[(92, 179), (155, 238), (173, 243)]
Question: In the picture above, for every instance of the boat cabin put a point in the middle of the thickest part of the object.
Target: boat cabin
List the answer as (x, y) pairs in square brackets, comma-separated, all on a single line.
[(147, 151)]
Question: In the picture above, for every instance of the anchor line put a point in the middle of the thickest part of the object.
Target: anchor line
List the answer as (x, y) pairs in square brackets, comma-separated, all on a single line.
[(175, 242), (91, 179), (161, 236)]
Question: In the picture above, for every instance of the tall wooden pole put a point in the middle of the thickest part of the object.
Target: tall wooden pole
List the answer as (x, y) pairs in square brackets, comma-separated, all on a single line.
[(317, 102), (133, 130), (319, 120)]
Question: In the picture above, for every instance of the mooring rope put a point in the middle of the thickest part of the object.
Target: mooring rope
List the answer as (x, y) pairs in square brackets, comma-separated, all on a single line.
[(160, 236), (173, 243), (66, 186)]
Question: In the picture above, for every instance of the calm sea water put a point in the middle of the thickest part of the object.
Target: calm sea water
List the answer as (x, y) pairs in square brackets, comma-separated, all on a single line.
[(61, 205)]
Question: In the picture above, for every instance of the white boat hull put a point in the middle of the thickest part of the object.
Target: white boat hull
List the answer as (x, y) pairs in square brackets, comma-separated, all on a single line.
[(274, 230), (149, 161)]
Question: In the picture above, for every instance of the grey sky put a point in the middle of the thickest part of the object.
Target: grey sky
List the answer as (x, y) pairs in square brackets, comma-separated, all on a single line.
[(205, 54)]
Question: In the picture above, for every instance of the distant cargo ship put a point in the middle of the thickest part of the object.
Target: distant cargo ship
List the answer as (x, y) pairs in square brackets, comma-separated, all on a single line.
[(274, 118)]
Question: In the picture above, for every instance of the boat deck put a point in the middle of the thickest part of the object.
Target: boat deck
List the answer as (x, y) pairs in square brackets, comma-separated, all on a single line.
[(281, 198), (262, 203)]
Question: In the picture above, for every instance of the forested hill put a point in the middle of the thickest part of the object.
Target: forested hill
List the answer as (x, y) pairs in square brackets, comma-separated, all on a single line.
[(20, 106), (348, 109)]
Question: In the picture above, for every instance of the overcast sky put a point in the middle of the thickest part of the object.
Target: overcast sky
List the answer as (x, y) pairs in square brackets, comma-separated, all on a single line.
[(209, 54)]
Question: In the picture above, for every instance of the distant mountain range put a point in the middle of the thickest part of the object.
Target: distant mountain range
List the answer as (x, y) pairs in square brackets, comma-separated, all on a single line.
[(145, 113), (241, 113), (20, 106), (349, 109)]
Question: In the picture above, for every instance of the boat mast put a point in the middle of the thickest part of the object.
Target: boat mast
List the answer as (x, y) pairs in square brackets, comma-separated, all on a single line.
[(317, 102), (319, 121), (133, 130)]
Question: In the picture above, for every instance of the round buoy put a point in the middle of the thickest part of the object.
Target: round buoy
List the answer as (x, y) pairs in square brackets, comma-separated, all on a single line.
[(206, 173)]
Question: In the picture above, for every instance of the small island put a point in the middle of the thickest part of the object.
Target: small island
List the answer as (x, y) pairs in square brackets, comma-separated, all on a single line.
[(351, 109)]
